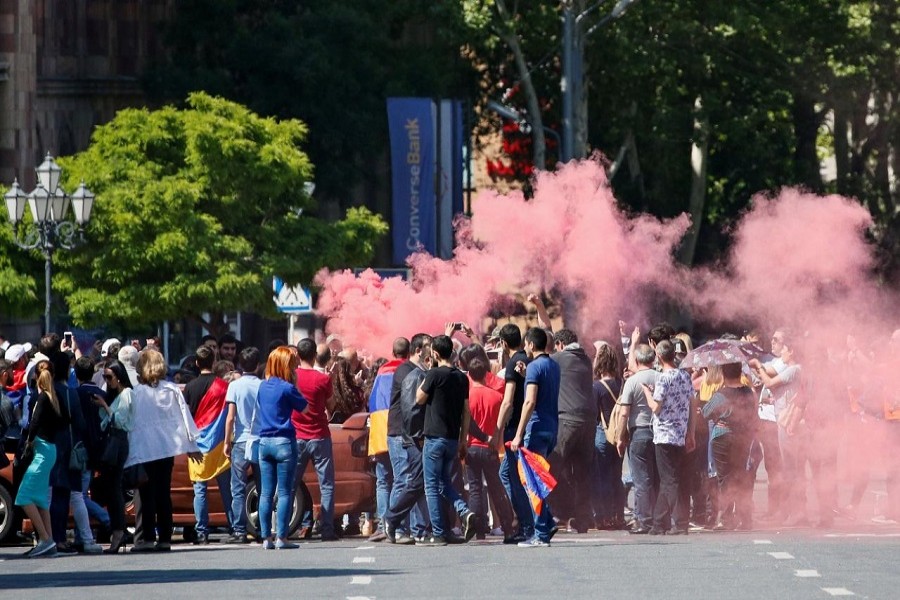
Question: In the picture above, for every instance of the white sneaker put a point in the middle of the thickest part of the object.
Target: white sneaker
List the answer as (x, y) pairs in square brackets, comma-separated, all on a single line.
[(496, 531), (268, 545), (534, 542), (44, 549)]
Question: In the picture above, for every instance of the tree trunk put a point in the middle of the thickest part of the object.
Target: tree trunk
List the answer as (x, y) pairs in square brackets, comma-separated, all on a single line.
[(699, 160), (215, 324), (531, 98), (806, 132), (841, 149)]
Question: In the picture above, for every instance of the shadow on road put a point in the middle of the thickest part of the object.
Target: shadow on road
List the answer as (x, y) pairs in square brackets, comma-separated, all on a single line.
[(132, 577)]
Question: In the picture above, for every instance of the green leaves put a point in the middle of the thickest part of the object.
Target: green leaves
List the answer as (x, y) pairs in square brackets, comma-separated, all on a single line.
[(196, 210)]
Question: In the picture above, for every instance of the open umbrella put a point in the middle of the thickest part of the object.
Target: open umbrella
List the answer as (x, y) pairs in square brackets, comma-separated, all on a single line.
[(721, 352)]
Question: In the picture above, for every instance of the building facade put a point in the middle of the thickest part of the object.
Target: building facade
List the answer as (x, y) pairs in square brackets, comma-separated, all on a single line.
[(67, 66)]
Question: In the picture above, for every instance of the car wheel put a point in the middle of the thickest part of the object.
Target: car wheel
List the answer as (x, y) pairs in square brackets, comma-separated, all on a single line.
[(251, 504), (7, 511)]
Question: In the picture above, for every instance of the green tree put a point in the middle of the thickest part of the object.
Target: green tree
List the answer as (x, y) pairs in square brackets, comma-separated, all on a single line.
[(196, 210), (18, 283)]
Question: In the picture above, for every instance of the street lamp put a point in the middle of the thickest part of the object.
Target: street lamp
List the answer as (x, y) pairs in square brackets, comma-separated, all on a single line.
[(49, 228)]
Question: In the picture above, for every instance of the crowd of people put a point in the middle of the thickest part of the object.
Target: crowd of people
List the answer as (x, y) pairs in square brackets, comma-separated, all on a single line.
[(448, 415)]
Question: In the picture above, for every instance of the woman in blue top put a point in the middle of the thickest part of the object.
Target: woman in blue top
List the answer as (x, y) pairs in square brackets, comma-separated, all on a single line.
[(278, 399)]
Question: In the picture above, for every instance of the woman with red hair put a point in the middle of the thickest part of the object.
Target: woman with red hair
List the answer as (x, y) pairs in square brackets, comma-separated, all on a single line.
[(278, 398)]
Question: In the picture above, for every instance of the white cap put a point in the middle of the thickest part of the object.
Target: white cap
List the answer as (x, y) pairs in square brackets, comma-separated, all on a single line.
[(15, 352), (104, 350)]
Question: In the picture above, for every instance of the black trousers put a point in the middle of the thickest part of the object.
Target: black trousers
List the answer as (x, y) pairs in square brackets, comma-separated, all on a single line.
[(483, 464), (673, 500), (730, 453), (575, 459), (153, 503)]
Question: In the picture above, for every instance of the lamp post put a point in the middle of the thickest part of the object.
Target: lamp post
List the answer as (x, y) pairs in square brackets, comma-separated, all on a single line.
[(49, 228), (572, 54)]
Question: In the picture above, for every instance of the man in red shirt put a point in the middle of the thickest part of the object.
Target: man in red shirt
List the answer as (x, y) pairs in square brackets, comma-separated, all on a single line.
[(314, 437), (482, 462)]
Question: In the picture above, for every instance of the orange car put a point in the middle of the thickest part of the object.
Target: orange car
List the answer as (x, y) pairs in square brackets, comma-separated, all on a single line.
[(7, 512), (354, 486)]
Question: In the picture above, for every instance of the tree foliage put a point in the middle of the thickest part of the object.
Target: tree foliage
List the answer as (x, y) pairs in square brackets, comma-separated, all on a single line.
[(196, 210), (18, 287), (331, 64)]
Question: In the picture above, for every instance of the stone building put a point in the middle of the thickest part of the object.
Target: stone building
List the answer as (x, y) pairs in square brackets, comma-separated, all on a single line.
[(65, 67)]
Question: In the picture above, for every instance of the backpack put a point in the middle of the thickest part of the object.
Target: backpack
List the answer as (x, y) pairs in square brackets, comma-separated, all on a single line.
[(613, 428), (7, 415), (413, 414)]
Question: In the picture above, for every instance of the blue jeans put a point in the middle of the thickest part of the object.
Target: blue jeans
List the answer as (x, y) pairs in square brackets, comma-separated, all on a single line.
[(96, 512), (201, 505), (322, 455), (239, 464), (384, 481), (277, 465), (509, 476), (417, 523), (642, 460), (541, 442), (400, 467), (437, 458)]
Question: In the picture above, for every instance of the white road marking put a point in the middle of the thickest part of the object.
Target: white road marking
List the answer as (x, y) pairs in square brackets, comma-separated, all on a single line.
[(865, 535), (838, 591), (762, 542), (781, 555), (363, 559), (806, 573), (364, 548), (588, 540), (361, 580)]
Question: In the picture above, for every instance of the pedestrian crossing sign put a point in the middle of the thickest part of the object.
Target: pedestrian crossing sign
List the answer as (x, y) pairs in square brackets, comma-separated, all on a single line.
[(291, 299)]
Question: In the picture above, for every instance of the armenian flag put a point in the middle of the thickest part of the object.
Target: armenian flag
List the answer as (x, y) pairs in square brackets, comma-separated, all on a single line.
[(534, 471), (379, 403), (210, 420)]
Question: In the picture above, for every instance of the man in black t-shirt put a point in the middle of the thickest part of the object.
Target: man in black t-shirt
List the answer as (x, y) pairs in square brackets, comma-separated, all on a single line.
[(507, 422), (445, 394)]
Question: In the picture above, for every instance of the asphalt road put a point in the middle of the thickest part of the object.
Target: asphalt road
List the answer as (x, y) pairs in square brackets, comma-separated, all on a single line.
[(858, 560)]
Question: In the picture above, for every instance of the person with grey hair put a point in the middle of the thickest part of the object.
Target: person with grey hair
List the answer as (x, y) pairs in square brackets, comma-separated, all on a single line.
[(641, 452), (129, 357)]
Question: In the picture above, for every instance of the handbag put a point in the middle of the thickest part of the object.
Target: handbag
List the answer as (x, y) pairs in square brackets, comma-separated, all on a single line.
[(613, 429), (134, 477), (115, 450), (24, 456), (78, 458)]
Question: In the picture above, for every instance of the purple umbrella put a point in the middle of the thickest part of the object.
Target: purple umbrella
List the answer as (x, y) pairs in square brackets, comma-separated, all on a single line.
[(721, 352)]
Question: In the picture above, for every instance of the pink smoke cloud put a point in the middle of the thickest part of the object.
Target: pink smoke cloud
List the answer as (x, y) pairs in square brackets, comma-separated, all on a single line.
[(570, 237)]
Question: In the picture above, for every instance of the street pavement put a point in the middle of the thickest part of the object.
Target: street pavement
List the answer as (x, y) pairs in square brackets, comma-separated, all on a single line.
[(854, 560)]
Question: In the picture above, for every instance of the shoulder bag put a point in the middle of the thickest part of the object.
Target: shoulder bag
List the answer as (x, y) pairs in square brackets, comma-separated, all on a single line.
[(78, 458)]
